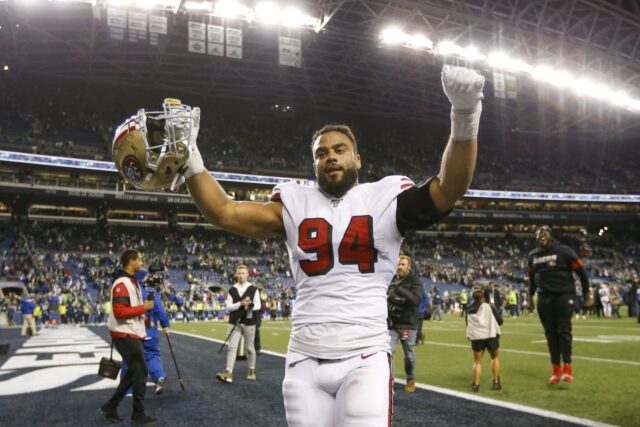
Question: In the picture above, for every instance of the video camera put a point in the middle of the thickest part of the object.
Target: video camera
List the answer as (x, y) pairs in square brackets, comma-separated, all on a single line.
[(157, 276)]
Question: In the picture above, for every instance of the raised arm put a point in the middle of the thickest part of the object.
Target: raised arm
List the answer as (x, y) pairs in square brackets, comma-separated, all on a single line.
[(249, 219), (463, 87)]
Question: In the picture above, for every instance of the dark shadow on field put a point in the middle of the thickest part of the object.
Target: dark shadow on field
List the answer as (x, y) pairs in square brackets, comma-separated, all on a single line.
[(207, 401)]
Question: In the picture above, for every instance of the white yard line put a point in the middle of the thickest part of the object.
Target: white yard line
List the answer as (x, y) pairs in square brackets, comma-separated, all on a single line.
[(579, 324), (461, 395), (502, 349), (539, 353)]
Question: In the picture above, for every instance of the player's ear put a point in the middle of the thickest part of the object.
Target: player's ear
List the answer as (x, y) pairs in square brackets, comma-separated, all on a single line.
[(358, 162)]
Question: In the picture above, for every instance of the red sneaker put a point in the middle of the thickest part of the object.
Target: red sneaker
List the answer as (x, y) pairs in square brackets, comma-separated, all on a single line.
[(556, 375), (567, 373)]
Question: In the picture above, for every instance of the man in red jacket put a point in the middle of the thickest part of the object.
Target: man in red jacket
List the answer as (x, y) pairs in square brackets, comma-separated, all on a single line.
[(126, 326)]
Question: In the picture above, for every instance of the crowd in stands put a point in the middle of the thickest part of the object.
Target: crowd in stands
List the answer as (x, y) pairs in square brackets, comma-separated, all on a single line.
[(69, 268), (61, 119)]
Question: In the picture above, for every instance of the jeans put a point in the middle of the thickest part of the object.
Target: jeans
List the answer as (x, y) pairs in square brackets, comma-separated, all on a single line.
[(407, 348)]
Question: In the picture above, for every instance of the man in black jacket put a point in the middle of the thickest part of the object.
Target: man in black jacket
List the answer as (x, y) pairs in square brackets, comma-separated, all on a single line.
[(403, 299), (551, 268)]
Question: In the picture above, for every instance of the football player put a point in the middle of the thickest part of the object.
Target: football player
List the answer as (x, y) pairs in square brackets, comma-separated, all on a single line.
[(551, 267), (344, 240)]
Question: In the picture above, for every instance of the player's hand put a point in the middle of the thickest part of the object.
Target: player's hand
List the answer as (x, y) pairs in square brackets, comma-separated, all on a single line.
[(194, 165), (166, 331), (148, 305), (463, 87), (588, 299)]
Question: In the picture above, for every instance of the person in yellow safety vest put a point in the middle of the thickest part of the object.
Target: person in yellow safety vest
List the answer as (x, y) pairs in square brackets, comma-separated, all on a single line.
[(37, 314), (513, 303), (63, 313), (86, 311), (107, 310), (464, 300), (197, 308)]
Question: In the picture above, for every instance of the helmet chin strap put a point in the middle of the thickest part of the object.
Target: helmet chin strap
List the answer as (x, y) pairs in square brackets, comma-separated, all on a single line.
[(178, 180)]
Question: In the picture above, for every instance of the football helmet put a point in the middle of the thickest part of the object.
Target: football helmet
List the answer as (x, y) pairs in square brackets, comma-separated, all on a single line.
[(150, 149)]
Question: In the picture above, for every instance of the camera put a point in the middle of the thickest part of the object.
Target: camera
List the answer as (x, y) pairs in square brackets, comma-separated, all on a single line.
[(157, 276)]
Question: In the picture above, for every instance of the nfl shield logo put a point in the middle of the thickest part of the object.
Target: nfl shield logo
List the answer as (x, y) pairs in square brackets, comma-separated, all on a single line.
[(131, 169)]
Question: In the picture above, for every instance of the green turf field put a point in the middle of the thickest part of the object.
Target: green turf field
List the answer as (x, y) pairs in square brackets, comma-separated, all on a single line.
[(606, 363)]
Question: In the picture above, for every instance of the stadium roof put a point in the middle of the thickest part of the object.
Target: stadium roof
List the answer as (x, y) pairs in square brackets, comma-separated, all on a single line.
[(345, 67)]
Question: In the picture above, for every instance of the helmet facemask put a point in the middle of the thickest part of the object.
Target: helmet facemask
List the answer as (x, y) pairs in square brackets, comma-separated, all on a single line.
[(164, 139), (167, 132)]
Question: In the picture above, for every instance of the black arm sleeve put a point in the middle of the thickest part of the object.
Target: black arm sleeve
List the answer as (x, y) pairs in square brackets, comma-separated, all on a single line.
[(584, 280), (532, 282), (577, 265), (415, 210)]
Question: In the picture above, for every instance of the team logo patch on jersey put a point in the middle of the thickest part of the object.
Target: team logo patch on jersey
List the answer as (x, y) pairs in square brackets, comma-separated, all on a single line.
[(132, 169)]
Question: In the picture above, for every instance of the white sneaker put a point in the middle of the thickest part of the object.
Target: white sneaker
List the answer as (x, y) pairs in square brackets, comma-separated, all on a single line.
[(160, 386)]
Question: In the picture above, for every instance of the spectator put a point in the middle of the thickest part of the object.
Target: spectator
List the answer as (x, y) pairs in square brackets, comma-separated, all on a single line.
[(483, 330)]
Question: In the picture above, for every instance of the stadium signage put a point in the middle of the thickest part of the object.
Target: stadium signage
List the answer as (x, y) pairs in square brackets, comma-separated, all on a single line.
[(102, 166)]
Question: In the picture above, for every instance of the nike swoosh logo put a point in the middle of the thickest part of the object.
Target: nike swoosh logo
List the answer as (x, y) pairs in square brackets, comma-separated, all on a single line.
[(362, 356)]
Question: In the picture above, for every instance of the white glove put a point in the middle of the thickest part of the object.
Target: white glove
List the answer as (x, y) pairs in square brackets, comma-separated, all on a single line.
[(194, 165), (463, 87)]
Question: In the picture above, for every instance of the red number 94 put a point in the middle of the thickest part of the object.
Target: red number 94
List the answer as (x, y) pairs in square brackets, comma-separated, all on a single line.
[(356, 247)]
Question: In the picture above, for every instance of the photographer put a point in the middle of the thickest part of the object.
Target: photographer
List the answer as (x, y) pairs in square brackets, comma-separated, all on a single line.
[(403, 298), (241, 302), (151, 289)]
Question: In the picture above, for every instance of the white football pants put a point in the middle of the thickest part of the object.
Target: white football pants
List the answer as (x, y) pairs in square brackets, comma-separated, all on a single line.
[(351, 392)]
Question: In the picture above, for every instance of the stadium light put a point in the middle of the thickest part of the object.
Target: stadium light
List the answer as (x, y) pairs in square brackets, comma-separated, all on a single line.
[(448, 48), (264, 12), (267, 12), (601, 91), (392, 36), (395, 36), (231, 9), (583, 86), (148, 4), (199, 5), (418, 41), (502, 61), (294, 17), (580, 85), (5, 68)]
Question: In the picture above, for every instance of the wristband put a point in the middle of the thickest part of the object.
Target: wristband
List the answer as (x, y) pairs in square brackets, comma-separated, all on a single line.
[(464, 126), (195, 165)]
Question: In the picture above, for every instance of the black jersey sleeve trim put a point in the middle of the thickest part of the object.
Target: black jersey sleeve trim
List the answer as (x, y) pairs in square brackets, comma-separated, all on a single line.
[(415, 209)]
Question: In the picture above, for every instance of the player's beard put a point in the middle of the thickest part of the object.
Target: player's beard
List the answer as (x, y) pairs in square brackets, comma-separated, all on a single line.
[(547, 243), (339, 187)]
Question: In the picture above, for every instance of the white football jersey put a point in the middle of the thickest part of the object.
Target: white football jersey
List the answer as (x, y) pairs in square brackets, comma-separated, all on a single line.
[(343, 252)]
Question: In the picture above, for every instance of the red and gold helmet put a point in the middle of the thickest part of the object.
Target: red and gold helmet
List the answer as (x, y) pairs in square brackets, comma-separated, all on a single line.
[(150, 149)]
